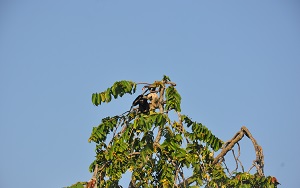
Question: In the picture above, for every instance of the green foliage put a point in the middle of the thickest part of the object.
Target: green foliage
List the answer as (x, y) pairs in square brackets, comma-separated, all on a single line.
[(201, 133), (156, 149), (118, 89), (173, 99)]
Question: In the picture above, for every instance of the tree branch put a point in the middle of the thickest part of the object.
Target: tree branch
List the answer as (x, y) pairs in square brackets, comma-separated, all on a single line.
[(258, 162), (228, 146)]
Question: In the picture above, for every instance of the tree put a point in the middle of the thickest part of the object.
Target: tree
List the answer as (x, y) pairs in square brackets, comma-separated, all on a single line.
[(158, 151)]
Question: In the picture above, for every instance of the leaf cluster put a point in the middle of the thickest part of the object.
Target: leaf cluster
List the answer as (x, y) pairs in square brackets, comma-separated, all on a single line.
[(173, 99), (118, 89)]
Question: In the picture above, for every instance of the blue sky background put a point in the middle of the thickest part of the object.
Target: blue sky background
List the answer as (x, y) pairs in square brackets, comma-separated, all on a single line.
[(235, 63)]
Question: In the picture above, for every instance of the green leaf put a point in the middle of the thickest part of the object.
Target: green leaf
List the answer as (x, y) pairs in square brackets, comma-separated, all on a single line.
[(98, 99), (107, 96), (159, 118), (114, 90), (127, 87), (181, 154), (178, 138), (102, 96), (94, 98)]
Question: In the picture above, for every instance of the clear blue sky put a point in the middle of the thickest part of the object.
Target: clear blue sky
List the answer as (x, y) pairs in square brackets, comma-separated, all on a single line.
[(235, 62)]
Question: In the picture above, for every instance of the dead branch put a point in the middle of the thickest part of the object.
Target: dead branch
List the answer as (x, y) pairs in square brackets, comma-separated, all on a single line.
[(258, 162)]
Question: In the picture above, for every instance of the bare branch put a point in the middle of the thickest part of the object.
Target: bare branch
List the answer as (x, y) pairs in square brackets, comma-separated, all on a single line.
[(228, 146), (227, 169), (238, 157), (236, 162), (258, 162)]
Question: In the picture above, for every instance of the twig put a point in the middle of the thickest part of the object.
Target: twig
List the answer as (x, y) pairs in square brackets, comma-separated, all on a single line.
[(236, 162), (238, 157), (182, 176), (227, 168)]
